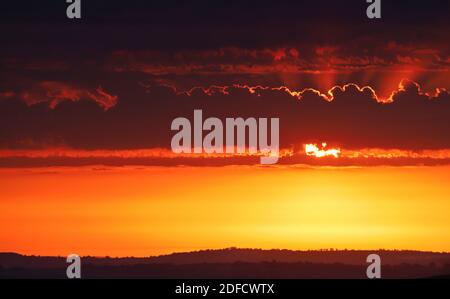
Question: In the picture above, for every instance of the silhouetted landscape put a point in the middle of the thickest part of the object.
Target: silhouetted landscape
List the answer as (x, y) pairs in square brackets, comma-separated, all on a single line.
[(236, 263)]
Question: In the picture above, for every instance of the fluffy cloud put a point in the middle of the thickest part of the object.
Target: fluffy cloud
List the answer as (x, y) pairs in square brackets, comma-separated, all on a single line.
[(348, 115), (53, 93)]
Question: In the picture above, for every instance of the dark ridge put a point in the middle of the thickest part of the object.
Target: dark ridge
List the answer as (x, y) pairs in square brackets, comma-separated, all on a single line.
[(235, 263)]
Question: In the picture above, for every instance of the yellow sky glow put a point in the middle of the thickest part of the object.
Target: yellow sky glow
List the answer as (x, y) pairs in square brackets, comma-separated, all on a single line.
[(156, 210)]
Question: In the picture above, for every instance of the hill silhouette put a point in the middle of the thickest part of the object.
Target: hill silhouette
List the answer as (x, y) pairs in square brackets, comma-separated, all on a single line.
[(235, 263)]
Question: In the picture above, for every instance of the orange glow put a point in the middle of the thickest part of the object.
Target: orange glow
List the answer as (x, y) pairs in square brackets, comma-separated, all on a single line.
[(378, 153), (133, 153), (313, 151), (155, 210), (328, 95), (309, 150)]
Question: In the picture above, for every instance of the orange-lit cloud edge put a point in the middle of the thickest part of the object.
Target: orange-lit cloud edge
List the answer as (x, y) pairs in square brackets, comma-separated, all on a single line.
[(308, 154), (53, 92), (327, 96)]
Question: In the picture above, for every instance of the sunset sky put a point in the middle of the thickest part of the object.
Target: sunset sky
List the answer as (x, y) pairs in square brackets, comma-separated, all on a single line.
[(86, 108)]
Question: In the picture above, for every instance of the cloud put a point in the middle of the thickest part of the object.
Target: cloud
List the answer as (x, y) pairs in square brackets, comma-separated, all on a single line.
[(318, 70), (53, 93), (306, 58), (7, 95), (350, 116), (307, 155), (341, 93)]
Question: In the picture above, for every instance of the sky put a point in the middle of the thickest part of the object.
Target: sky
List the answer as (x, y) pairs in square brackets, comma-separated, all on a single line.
[(85, 126), (129, 211)]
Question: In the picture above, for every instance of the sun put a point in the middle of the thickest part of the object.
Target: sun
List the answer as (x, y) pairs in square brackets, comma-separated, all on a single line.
[(313, 150)]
